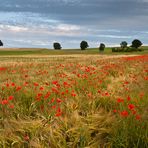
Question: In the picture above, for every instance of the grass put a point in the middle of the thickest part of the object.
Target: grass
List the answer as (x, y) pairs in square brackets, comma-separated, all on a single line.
[(38, 51), (73, 101)]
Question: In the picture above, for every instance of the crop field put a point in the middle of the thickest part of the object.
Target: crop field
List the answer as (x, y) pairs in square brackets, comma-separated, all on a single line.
[(74, 101)]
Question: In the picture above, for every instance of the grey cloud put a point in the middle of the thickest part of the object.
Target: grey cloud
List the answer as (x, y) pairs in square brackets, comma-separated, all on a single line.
[(72, 20)]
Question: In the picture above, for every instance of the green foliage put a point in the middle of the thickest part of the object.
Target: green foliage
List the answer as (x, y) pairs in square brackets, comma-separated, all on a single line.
[(102, 47), (123, 44), (1, 43), (136, 43), (126, 49), (57, 46), (84, 45)]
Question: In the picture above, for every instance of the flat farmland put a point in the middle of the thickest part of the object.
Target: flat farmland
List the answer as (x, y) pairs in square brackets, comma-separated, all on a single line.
[(75, 100)]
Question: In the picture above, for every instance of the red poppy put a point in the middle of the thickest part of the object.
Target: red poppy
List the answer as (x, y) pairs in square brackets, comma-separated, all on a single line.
[(26, 138), (73, 94), (138, 117), (128, 98), (41, 88), (106, 94), (89, 95), (10, 97), (131, 106), (55, 82), (58, 113), (54, 90), (13, 84), (2, 68), (26, 83), (134, 112), (124, 113), (99, 91), (59, 100), (62, 93), (7, 85), (126, 82), (53, 107), (120, 100), (36, 84), (4, 102), (47, 95), (11, 106), (18, 88)]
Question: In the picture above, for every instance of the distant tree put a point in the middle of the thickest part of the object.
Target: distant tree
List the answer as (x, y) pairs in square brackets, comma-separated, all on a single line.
[(136, 43), (1, 43), (123, 44), (57, 46), (102, 47), (83, 45)]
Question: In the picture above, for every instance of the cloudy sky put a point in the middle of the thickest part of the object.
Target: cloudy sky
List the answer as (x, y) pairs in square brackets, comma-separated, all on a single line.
[(39, 23)]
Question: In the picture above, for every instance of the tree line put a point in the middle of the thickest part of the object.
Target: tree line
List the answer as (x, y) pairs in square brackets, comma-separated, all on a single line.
[(1, 43), (123, 46), (84, 45)]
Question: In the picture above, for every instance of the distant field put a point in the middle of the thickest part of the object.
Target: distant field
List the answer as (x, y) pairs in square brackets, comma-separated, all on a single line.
[(43, 51)]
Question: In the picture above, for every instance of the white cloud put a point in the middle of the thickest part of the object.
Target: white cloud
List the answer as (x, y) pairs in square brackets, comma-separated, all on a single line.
[(53, 30), (114, 36), (13, 28), (67, 27)]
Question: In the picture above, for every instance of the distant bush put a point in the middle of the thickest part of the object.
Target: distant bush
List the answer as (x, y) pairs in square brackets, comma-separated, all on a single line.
[(83, 45), (57, 46), (1, 43), (117, 49), (134, 47), (102, 47), (127, 49), (123, 44)]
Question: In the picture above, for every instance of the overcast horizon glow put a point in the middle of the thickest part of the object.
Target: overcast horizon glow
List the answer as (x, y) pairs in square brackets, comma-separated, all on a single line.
[(39, 23)]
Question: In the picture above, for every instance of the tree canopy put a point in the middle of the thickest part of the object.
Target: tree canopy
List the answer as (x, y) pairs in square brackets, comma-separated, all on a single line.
[(1, 43), (102, 47), (123, 44), (136, 43), (83, 45), (57, 46)]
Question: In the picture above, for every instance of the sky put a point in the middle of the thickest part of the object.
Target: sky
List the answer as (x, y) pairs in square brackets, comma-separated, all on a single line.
[(40, 23)]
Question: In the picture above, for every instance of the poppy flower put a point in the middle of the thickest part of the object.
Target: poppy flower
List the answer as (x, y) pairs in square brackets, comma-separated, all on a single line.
[(2, 68), (18, 88), (10, 97), (26, 138), (11, 106), (59, 100), (73, 94), (124, 113), (4, 102), (128, 98), (120, 100), (114, 110), (58, 113), (138, 117), (13, 84), (131, 106), (36, 84)]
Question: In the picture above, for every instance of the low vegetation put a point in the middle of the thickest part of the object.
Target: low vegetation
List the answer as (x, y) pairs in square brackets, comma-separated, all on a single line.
[(85, 101), (41, 51)]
